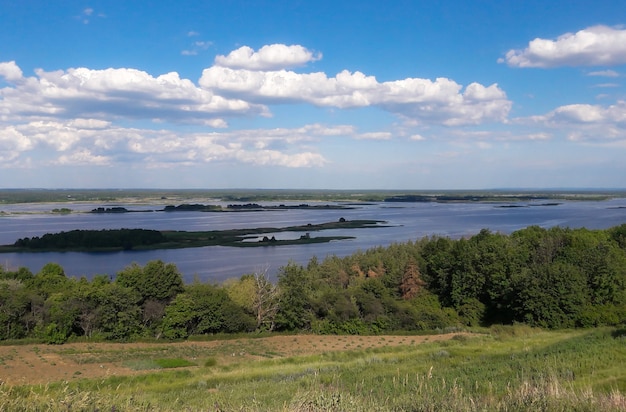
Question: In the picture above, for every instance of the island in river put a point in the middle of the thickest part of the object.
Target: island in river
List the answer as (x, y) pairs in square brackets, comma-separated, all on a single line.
[(197, 207), (143, 239)]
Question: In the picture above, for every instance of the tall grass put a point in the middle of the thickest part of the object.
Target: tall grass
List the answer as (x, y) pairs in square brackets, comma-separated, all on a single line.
[(506, 369)]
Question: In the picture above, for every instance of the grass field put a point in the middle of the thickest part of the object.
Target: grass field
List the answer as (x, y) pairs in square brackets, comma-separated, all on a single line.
[(502, 368)]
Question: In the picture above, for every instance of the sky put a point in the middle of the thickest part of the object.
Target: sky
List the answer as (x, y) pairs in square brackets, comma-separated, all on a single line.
[(354, 95)]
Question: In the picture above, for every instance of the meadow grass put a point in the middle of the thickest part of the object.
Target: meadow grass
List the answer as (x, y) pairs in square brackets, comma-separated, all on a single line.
[(504, 369)]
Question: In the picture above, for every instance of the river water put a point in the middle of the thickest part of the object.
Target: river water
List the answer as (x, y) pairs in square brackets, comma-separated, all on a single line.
[(406, 221)]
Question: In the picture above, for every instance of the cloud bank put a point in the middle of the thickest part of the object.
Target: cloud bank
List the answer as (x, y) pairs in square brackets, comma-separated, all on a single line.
[(105, 117)]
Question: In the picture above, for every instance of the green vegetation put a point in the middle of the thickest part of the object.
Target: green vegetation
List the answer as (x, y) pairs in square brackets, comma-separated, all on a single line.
[(551, 278), (115, 239), (142, 239), (506, 368), (247, 207)]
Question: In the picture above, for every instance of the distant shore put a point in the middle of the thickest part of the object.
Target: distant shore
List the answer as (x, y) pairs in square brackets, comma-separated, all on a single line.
[(188, 196)]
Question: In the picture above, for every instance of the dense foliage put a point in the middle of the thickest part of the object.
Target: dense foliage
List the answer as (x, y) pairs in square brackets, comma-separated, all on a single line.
[(92, 239), (553, 278)]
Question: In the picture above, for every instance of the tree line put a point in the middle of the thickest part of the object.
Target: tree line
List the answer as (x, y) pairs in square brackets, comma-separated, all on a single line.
[(552, 278), (92, 239)]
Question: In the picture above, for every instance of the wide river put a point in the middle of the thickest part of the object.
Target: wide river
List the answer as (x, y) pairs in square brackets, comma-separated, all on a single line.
[(407, 221)]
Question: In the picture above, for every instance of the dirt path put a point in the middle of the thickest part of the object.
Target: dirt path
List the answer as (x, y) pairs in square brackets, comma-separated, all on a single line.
[(40, 364)]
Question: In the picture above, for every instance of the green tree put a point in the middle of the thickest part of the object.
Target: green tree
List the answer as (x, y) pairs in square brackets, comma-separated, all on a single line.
[(241, 291), (157, 284), (438, 259), (49, 280), (23, 274), (87, 301), (295, 310), (155, 281), (551, 296), (14, 305), (118, 314), (203, 309), (59, 318)]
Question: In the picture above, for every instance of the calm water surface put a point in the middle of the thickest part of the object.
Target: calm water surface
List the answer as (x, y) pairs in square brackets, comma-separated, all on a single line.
[(407, 221)]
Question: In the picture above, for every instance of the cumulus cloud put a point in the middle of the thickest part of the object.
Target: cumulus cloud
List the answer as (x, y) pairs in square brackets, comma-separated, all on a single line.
[(226, 91), (441, 101), (270, 57), (587, 113), (587, 122), (115, 93), (12, 141), (593, 46), (10, 71), (124, 115)]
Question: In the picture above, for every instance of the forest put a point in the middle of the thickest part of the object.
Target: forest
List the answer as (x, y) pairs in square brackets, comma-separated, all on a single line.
[(551, 278)]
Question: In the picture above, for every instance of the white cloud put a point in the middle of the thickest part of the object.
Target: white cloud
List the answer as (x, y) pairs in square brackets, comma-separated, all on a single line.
[(322, 130), (124, 93), (539, 136), (12, 140), (579, 113), (270, 57), (83, 157), (440, 101), (197, 47), (84, 116), (375, 136), (10, 71), (276, 158), (593, 46), (87, 14), (114, 93), (586, 122), (604, 73), (93, 142), (88, 124), (607, 85)]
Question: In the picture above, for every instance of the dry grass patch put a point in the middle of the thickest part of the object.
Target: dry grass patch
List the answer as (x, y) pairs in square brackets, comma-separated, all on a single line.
[(41, 364)]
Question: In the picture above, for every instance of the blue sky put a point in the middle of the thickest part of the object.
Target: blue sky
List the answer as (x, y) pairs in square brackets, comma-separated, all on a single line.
[(313, 94)]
